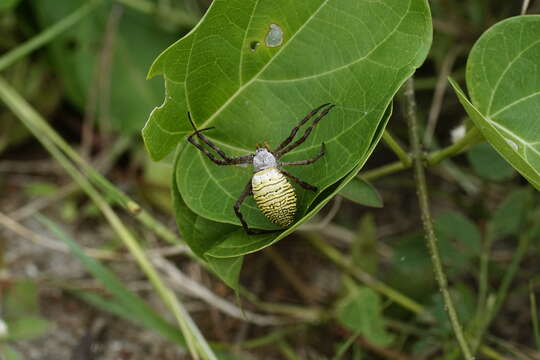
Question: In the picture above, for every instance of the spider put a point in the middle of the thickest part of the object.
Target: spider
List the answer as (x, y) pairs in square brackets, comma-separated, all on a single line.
[(273, 194)]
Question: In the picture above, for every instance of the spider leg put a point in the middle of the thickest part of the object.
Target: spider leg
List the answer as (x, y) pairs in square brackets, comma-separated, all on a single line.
[(308, 131), (247, 191), (303, 184), (307, 161), (297, 127), (226, 160)]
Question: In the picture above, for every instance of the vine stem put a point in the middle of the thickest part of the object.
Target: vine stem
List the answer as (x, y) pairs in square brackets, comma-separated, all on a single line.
[(418, 164), (473, 136)]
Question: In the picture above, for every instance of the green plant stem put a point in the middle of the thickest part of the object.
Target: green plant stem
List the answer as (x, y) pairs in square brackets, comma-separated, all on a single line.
[(471, 137), (523, 245), (363, 276), (47, 35), (433, 158), (383, 171), (426, 218), (396, 148), (26, 113)]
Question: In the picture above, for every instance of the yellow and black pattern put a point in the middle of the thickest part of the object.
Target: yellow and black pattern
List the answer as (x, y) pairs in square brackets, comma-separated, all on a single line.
[(274, 196)]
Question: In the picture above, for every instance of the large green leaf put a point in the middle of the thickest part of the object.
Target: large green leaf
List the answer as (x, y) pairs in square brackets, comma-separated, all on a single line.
[(503, 79), (76, 55), (355, 54), (362, 313)]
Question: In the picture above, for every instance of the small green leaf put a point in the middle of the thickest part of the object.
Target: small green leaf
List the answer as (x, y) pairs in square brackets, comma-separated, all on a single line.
[(455, 226), (504, 86), (510, 215), (361, 312), (362, 192), (488, 164)]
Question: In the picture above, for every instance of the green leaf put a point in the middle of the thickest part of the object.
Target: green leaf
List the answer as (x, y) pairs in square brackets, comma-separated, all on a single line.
[(255, 96), (27, 327), (361, 312), (76, 55), (455, 226), (510, 214), (132, 304), (504, 85), (410, 260), (362, 192), (488, 164), (459, 241)]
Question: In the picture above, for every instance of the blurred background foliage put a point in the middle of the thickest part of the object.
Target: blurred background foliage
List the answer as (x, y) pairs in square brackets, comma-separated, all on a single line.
[(90, 84)]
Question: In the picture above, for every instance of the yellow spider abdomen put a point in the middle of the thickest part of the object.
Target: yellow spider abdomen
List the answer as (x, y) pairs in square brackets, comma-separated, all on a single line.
[(274, 196)]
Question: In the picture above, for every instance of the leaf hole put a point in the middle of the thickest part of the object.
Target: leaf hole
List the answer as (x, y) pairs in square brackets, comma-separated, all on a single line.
[(253, 45)]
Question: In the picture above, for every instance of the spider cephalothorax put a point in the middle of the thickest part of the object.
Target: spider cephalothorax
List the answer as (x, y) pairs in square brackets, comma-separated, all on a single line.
[(273, 194)]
